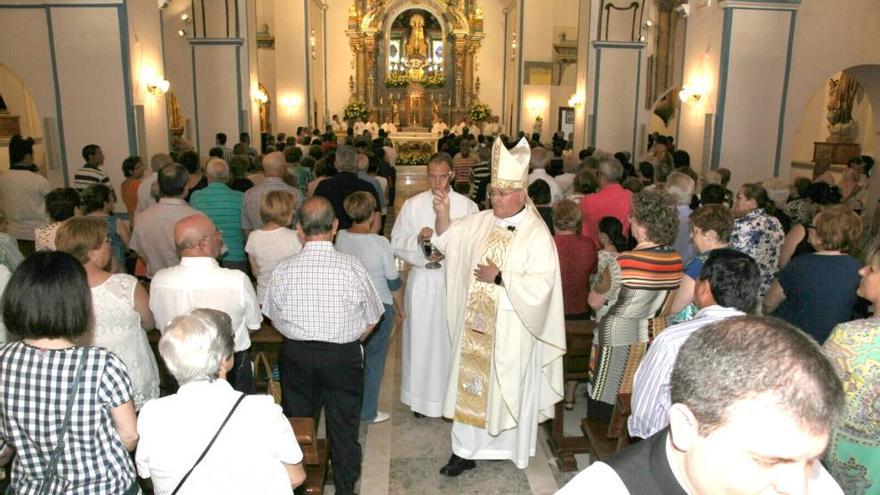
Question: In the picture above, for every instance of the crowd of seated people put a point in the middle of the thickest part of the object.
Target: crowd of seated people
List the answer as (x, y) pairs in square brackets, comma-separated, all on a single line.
[(643, 250)]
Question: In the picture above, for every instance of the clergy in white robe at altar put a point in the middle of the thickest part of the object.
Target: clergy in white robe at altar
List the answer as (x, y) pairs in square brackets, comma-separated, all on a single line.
[(358, 127), (389, 127), (438, 128), (505, 316), (427, 346), (373, 127)]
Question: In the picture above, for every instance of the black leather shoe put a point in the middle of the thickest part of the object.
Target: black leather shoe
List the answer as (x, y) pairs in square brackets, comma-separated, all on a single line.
[(456, 466), (418, 415)]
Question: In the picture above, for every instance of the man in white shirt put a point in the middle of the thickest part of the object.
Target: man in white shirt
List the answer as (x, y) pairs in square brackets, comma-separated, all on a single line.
[(727, 287), (754, 401), (148, 191), (538, 166), (427, 350), (199, 282)]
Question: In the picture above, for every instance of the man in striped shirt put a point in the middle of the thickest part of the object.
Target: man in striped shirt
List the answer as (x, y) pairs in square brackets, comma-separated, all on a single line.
[(727, 287), (91, 173), (223, 206)]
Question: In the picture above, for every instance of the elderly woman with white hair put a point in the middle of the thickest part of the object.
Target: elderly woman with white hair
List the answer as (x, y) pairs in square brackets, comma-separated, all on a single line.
[(681, 187), (207, 437)]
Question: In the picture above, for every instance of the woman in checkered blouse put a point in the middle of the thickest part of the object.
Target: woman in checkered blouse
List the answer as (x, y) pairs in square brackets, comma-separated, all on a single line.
[(48, 303)]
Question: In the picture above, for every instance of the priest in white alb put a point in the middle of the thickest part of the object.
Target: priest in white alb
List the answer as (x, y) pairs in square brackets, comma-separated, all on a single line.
[(427, 346), (505, 316)]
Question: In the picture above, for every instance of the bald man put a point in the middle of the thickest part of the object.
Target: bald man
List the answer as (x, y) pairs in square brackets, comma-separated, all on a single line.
[(199, 282), (274, 166), (223, 206)]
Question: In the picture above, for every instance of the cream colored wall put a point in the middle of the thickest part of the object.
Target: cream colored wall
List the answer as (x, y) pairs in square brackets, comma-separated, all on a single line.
[(491, 61), (213, 65), (90, 75), (290, 66), (145, 42), (544, 21), (178, 67), (339, 57), (702, 54), (755, 87)]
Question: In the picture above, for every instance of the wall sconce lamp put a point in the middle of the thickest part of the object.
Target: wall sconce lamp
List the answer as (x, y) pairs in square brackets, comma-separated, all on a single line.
[(291, 102), (185, 19), (576, 101), (259, 96), (158, 87), (690, 96)]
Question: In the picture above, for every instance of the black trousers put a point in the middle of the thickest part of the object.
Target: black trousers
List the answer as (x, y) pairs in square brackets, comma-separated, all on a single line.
[(241, 376), (322, 374)]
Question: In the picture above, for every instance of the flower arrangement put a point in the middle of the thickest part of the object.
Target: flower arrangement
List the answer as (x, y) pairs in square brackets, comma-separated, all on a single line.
[(480, 112), (417, 158), (356, 110), (434, 80), (396, 80)]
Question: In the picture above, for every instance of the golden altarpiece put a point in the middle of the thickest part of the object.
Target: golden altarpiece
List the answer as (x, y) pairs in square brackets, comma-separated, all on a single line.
[(415, 61)]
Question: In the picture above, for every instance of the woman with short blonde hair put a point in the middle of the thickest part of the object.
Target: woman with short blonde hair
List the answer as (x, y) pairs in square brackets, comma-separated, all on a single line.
[(275, 240)]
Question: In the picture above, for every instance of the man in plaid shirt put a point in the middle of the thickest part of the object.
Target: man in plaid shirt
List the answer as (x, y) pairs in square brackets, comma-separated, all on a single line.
[(325, 306)]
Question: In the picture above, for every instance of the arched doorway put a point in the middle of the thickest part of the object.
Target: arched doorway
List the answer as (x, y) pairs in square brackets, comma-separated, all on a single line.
[(18, 115), (862, 122)]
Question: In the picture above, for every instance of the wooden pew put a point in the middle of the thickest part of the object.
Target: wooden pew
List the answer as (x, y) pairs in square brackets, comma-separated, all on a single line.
[(315, 455), (606, 439), (575, 363)]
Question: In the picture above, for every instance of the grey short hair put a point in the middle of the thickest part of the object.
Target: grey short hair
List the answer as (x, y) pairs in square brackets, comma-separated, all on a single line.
[(778, 190), (194, 345), (681, 187), (346, 159), (611, 169), (316, 219), (539, 157), (217, 170)]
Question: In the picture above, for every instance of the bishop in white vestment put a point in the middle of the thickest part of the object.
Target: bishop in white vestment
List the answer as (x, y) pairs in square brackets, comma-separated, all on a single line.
[(427, 346), (505, 318)]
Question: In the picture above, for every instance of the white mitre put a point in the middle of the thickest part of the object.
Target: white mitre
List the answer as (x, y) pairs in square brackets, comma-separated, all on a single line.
[(510, 169)]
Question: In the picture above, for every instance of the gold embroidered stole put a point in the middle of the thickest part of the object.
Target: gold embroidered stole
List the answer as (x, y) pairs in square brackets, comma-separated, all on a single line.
[(479, 335)]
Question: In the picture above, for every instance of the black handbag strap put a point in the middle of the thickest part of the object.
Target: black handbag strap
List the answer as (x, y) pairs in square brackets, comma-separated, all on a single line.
[(211, 443), (49, 473)]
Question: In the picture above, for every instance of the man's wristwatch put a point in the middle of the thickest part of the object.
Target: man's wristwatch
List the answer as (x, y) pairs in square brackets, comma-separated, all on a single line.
[(498, 279)]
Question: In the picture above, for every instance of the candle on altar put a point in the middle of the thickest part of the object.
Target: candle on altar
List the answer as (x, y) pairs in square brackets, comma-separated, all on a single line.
[(381, 100)]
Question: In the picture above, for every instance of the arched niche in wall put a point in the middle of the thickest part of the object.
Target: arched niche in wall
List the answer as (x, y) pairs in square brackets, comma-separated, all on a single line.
[(665, 114), (813, 139), (839, 120), (18, 115)]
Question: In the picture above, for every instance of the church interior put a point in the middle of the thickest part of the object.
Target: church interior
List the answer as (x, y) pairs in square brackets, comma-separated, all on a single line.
[(764, 88)]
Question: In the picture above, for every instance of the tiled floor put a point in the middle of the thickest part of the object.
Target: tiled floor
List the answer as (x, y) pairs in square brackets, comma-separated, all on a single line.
[(404, 454)]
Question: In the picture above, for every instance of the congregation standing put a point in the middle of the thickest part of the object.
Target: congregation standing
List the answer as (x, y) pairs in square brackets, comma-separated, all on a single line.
[(511, 239)]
